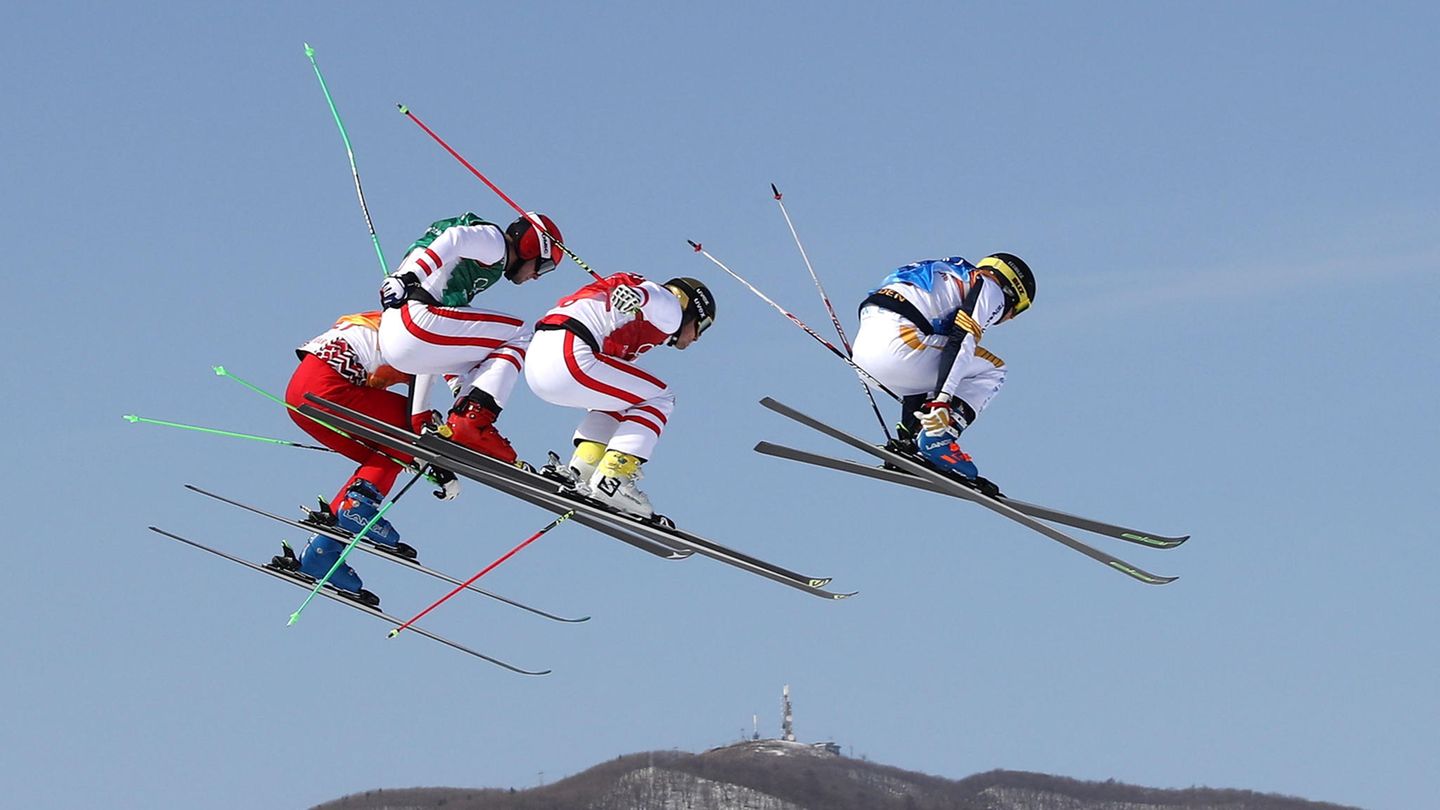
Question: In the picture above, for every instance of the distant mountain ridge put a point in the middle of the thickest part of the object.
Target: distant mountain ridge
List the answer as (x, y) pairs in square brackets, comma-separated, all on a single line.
[(777, 775)]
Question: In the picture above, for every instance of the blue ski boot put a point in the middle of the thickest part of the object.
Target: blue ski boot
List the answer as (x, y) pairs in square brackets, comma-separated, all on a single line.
[(361, 503), (939, 442), (944, 453), (317, 560)]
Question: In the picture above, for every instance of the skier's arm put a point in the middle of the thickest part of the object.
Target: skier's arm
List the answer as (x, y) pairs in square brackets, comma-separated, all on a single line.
[(420, 412), (982, 307), (660, 307), (483, 243), (421, 417)]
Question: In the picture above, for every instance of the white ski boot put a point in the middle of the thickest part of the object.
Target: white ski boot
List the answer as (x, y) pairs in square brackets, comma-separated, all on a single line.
[(613, 484)]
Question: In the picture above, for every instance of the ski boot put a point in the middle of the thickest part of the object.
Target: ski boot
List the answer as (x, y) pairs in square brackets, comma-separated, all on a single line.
[(317, 559), (471, 424), (575, 476), (943, 453), (613, 485), (360, 504), (939, 442)]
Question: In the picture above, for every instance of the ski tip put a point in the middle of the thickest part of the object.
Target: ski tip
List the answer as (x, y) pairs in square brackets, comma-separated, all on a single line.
[(1154, 541)]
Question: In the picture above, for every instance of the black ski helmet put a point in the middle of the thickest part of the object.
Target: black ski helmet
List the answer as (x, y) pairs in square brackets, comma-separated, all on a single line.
[(1015, 278), (541, 243), (695, 300)]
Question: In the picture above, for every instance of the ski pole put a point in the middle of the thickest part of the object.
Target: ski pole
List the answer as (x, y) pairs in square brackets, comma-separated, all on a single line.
[(839, 330), (132, 418), (221, 372), (355, 172), (811, 332), (385, 507), (487, 569), (496, 189)]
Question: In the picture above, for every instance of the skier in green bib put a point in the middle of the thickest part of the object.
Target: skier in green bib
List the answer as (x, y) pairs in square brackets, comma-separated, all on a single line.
[(429, 328)]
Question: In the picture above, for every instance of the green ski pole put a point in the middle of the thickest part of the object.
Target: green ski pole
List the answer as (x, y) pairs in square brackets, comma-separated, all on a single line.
[(221, 372), (132, 418), (354, 171)]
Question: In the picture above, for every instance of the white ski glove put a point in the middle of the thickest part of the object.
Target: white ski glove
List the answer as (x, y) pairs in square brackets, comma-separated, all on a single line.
[(393, 290), (449, 485), (626, 299), (937, 419)]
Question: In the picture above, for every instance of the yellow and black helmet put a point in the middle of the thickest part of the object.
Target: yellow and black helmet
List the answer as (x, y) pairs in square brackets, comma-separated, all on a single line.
[(1015, 278), (695, 300)]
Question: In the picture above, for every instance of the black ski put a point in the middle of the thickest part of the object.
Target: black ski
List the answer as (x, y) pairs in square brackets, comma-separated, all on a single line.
[(547, 494), (920, 470), (378, 550), (391, 437), (302, 581), (1148, 539)]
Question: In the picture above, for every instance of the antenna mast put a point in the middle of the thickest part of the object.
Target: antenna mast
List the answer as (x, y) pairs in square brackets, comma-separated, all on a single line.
[(787, 724)]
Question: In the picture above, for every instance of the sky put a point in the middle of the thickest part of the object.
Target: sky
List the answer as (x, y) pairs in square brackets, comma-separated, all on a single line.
[(1230, 210)]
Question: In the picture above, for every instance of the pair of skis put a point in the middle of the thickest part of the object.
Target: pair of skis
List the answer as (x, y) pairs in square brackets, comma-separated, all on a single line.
[(910, 471), (290, 574), (652, 536)]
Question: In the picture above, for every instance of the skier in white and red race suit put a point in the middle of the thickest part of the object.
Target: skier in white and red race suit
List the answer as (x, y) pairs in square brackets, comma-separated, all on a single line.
[(429, 329), (920, 336), (344, 365), (582, 357)]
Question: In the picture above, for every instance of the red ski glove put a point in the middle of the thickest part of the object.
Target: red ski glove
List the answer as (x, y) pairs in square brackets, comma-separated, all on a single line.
[(424, 419)]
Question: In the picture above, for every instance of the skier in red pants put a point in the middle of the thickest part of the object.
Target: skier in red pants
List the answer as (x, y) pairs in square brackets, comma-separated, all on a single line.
[(344, 366)]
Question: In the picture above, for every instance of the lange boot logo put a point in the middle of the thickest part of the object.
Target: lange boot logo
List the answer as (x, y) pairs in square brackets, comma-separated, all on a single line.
[(609, 485)]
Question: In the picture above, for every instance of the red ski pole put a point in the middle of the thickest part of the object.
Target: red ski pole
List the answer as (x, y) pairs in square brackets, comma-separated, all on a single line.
[(487, 569), (496, 189)]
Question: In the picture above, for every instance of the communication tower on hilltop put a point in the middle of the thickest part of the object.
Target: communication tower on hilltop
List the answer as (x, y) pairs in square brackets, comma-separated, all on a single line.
[(787, 717)]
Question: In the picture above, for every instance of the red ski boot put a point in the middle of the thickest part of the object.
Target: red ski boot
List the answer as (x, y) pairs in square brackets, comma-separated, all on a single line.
[(472, 425)]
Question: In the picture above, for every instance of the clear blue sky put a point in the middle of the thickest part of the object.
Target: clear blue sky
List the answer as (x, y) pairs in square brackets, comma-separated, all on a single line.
[(1231, 210)]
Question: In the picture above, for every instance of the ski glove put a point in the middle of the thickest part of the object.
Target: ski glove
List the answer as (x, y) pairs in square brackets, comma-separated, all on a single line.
[(626, 299), (448, 483), (937, 419), (394, 289), (424, 419)]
